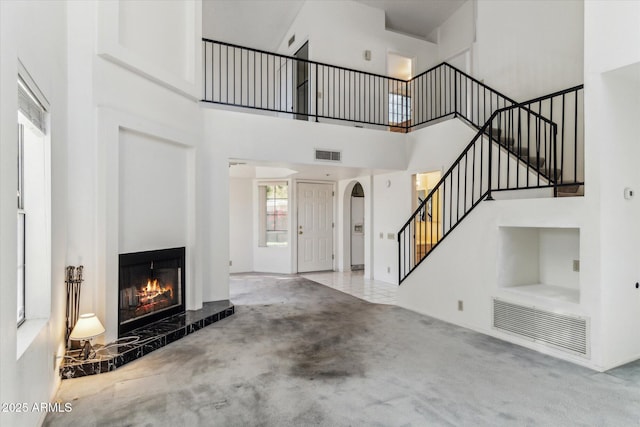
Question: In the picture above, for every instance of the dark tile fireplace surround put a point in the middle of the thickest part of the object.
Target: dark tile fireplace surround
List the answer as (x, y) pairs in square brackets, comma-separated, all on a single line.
[(151, 312)]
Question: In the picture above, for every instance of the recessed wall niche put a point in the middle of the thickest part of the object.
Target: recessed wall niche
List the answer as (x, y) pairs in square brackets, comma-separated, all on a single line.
[(542, 262)]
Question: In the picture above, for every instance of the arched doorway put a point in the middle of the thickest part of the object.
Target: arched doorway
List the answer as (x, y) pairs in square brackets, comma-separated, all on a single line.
[(356, 229)]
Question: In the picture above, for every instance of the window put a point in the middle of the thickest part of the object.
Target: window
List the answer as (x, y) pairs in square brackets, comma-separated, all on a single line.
[(399, 108), (33, 206), (274, 214), (21, 227)]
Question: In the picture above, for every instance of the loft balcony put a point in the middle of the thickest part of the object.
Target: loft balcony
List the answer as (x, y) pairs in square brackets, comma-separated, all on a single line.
[(286, 86)]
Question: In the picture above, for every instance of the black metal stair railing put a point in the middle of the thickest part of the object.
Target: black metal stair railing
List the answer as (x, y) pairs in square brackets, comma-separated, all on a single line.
[(534, 145), (445, 91)]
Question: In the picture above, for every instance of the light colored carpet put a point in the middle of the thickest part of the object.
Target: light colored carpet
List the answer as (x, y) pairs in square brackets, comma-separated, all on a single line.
[(297, 353)]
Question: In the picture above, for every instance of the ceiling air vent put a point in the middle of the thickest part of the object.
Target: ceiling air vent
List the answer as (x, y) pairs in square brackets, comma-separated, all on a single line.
[(328, 156), (562, 331)]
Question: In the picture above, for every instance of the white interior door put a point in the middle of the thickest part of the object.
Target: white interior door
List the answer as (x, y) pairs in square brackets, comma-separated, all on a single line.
[(315, 227)]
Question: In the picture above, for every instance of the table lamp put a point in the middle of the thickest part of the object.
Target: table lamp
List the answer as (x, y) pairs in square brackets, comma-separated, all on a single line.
[(87, 327)]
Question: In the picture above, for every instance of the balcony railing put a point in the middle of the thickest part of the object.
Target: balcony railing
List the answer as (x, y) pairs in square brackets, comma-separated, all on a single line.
[(249, 78)]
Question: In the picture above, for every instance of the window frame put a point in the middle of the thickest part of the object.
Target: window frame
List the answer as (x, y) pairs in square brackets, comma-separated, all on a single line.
[(401, 108), (264, 214), (32, 112)]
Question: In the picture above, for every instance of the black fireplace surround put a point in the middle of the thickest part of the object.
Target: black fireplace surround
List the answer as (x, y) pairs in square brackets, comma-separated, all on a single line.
[(151, 286)]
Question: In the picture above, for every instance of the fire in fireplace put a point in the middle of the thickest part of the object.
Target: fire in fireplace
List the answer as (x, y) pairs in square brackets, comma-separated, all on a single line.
[(151, 287)]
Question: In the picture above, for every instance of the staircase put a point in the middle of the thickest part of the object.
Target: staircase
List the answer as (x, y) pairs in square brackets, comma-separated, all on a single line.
[(535, 145), (531, 146)]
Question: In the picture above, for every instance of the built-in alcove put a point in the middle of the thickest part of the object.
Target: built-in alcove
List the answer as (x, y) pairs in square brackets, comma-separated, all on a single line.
[(541, 262)]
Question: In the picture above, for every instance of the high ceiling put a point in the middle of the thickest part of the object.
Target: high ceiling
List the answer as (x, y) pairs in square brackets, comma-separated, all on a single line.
[(416, 18), (262, 24)]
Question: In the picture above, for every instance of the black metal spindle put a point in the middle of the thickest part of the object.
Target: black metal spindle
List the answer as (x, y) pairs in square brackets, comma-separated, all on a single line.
[(554, 135), (575, 137), (473, 174), (538, 142), (528, 142), (499, 138), (466, 168), (458, 193), (490, 164), (204, 71)]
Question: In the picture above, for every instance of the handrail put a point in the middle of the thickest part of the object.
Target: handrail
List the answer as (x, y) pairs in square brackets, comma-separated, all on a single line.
[(480, 133), (251, 78), (456, 92), (473, 79), (308, 61), (529, 155)]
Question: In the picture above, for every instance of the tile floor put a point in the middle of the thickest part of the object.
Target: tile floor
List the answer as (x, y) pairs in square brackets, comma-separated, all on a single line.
[(354, 283)]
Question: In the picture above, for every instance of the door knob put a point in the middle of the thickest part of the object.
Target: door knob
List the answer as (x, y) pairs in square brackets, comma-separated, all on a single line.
[(299, 232)]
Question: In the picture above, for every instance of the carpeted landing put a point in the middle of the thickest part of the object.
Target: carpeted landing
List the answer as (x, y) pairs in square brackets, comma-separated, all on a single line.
[(297, 353)]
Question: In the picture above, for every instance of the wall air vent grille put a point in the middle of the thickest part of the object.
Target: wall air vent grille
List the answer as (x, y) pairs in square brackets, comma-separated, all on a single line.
[(328, 156), (562, 331)]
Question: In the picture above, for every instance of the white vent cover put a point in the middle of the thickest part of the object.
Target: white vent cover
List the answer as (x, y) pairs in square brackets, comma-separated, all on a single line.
[(329, 156), (563, 331)]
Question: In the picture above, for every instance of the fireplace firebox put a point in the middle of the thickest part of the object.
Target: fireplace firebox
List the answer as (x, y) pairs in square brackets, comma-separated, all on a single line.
[(151, 287)]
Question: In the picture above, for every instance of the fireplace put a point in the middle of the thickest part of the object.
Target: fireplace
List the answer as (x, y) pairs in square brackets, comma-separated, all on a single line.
[(151, 287)]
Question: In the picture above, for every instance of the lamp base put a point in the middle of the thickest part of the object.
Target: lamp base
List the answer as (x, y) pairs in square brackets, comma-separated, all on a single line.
[(86, 350)]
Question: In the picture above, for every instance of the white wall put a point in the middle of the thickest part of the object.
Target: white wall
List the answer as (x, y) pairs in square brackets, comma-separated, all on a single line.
[(612, 82), (611, 35), (132, 103), (340, 32), (607, 223), (437, 147), (457, 34), (287, 141), (429, 149), (153, 204), (238, 135), (470, 264), (392, 206), (529, 48), (150, 38), (247, 136), (34, 33), (558, 248), (241, 225)]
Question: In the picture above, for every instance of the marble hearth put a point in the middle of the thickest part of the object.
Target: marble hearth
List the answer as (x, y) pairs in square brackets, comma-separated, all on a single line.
[(149, 338)]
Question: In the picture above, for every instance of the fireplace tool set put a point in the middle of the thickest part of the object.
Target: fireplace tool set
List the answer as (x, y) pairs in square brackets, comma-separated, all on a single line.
[(74, 281)]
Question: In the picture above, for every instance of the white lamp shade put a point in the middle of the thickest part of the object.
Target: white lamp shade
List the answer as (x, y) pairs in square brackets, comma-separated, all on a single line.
[(88, 326)]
